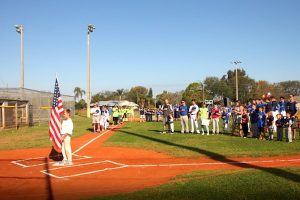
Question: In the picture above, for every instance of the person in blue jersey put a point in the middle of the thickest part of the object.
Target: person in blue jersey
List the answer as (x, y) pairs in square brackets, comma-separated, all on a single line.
[(281, 107), (193, 110), (184, 120), (225, 117), (261, 123)]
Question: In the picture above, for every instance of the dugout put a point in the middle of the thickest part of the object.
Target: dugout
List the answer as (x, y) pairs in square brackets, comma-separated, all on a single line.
[(28, 107), (14, 113)]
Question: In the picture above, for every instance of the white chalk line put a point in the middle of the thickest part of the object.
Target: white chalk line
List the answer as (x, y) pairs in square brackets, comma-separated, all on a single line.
[(18, 162), (120, 166), (92, 140)]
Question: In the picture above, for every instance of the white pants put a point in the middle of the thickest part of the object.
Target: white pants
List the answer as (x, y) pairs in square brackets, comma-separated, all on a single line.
[(194, 122), (66, 149), (215, 125), (172, 127)]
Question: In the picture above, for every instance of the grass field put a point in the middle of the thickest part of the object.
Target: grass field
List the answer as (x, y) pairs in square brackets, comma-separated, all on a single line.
[(147, 136), (37, 136), (242, 184)]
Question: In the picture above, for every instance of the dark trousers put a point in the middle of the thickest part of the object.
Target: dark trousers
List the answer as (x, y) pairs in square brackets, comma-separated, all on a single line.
[(245, 129), (279, 133)]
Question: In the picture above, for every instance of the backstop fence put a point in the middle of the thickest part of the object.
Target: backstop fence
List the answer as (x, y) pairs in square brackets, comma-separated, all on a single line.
[(26, 107)]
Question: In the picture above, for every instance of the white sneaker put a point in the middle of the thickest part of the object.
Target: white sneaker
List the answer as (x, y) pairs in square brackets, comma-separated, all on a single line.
[(69, 163), (202, 133), (198, 131), (60, 163)]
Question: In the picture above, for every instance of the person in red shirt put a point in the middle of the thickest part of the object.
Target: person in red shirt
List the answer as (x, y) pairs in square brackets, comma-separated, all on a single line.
[(244, 122), (215, 116)]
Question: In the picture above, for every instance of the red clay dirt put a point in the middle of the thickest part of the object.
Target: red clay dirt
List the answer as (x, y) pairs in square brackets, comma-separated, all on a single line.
[(128, 170)]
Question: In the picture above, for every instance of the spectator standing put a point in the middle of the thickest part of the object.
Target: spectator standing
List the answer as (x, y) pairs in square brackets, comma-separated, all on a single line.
[(167, 110), (253, 120), (194, 109), (292, 106), (176, 112), (244, 122), (96, 112), (288, 122), (279, 124), (281, 107), (142, 114), (184, 120), (261, 123), (270, 122), (215, 116), (225, 117), (204, 118)]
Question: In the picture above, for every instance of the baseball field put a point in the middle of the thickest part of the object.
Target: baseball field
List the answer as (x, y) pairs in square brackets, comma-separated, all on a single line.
[(135, 161)]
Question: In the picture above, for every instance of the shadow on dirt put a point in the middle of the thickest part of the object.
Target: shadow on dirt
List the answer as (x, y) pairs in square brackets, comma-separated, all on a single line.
[(222, 158)]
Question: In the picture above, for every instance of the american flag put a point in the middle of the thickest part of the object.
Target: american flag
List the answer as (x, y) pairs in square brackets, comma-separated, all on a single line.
[(56, 111)]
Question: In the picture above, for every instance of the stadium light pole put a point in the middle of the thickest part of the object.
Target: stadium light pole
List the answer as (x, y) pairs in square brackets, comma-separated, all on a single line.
[(91, 28), (20, 30), (236, 79)]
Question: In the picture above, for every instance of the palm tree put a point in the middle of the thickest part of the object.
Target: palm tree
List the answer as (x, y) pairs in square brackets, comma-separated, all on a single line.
[(78, 92), (120, 92)]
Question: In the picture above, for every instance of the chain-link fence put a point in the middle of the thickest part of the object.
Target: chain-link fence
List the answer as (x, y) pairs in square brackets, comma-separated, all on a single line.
[(25, 106)]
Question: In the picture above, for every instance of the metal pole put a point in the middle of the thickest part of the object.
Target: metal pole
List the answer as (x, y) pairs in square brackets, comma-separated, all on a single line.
[(22, 59), (203, 91), (91, 28), (236, 84), (236, 79), (88, 98)]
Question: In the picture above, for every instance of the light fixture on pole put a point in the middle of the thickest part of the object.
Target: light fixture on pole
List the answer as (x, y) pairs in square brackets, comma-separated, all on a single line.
[(20, 30), (91, 28), (236, 79)]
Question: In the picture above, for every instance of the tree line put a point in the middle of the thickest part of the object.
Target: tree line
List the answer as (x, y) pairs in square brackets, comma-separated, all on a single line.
[(212, 88)]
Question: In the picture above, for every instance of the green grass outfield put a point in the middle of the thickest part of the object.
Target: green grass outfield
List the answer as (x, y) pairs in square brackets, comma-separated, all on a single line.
[(260, 183), (37, 136), (208, 185), (147, 136)]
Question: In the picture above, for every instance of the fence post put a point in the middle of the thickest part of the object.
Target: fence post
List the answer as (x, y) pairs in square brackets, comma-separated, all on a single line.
[(3, 113), (16, 113)]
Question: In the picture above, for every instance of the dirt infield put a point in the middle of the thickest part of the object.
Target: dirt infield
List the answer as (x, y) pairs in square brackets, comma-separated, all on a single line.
[(98, 170)]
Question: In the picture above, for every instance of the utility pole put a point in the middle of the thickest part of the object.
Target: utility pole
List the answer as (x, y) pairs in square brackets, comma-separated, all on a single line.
[(236, 79), (20, 30), (88, 82)]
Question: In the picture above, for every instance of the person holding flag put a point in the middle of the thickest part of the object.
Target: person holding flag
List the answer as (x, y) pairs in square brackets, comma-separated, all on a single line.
[(59, 133)]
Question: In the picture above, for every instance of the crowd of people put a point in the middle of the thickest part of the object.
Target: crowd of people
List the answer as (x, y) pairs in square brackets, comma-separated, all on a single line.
[(102, 115), (258, 118)]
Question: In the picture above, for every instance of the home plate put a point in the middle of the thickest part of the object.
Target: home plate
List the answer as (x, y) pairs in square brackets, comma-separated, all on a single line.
[(83, 169)]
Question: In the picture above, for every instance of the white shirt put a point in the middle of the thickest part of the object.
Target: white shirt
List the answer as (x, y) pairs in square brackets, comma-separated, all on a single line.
[(67, 127), (96, 111), (194, 109)]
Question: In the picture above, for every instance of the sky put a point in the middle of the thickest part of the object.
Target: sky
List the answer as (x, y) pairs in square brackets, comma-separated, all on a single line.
[(163, 44)]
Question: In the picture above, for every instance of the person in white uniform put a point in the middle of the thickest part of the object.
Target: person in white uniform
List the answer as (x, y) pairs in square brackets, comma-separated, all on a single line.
[(194, 109), (66, 133)]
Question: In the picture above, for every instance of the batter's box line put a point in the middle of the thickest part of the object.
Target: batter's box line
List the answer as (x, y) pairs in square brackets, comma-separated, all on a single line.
[(19, 162), (120, 166)]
